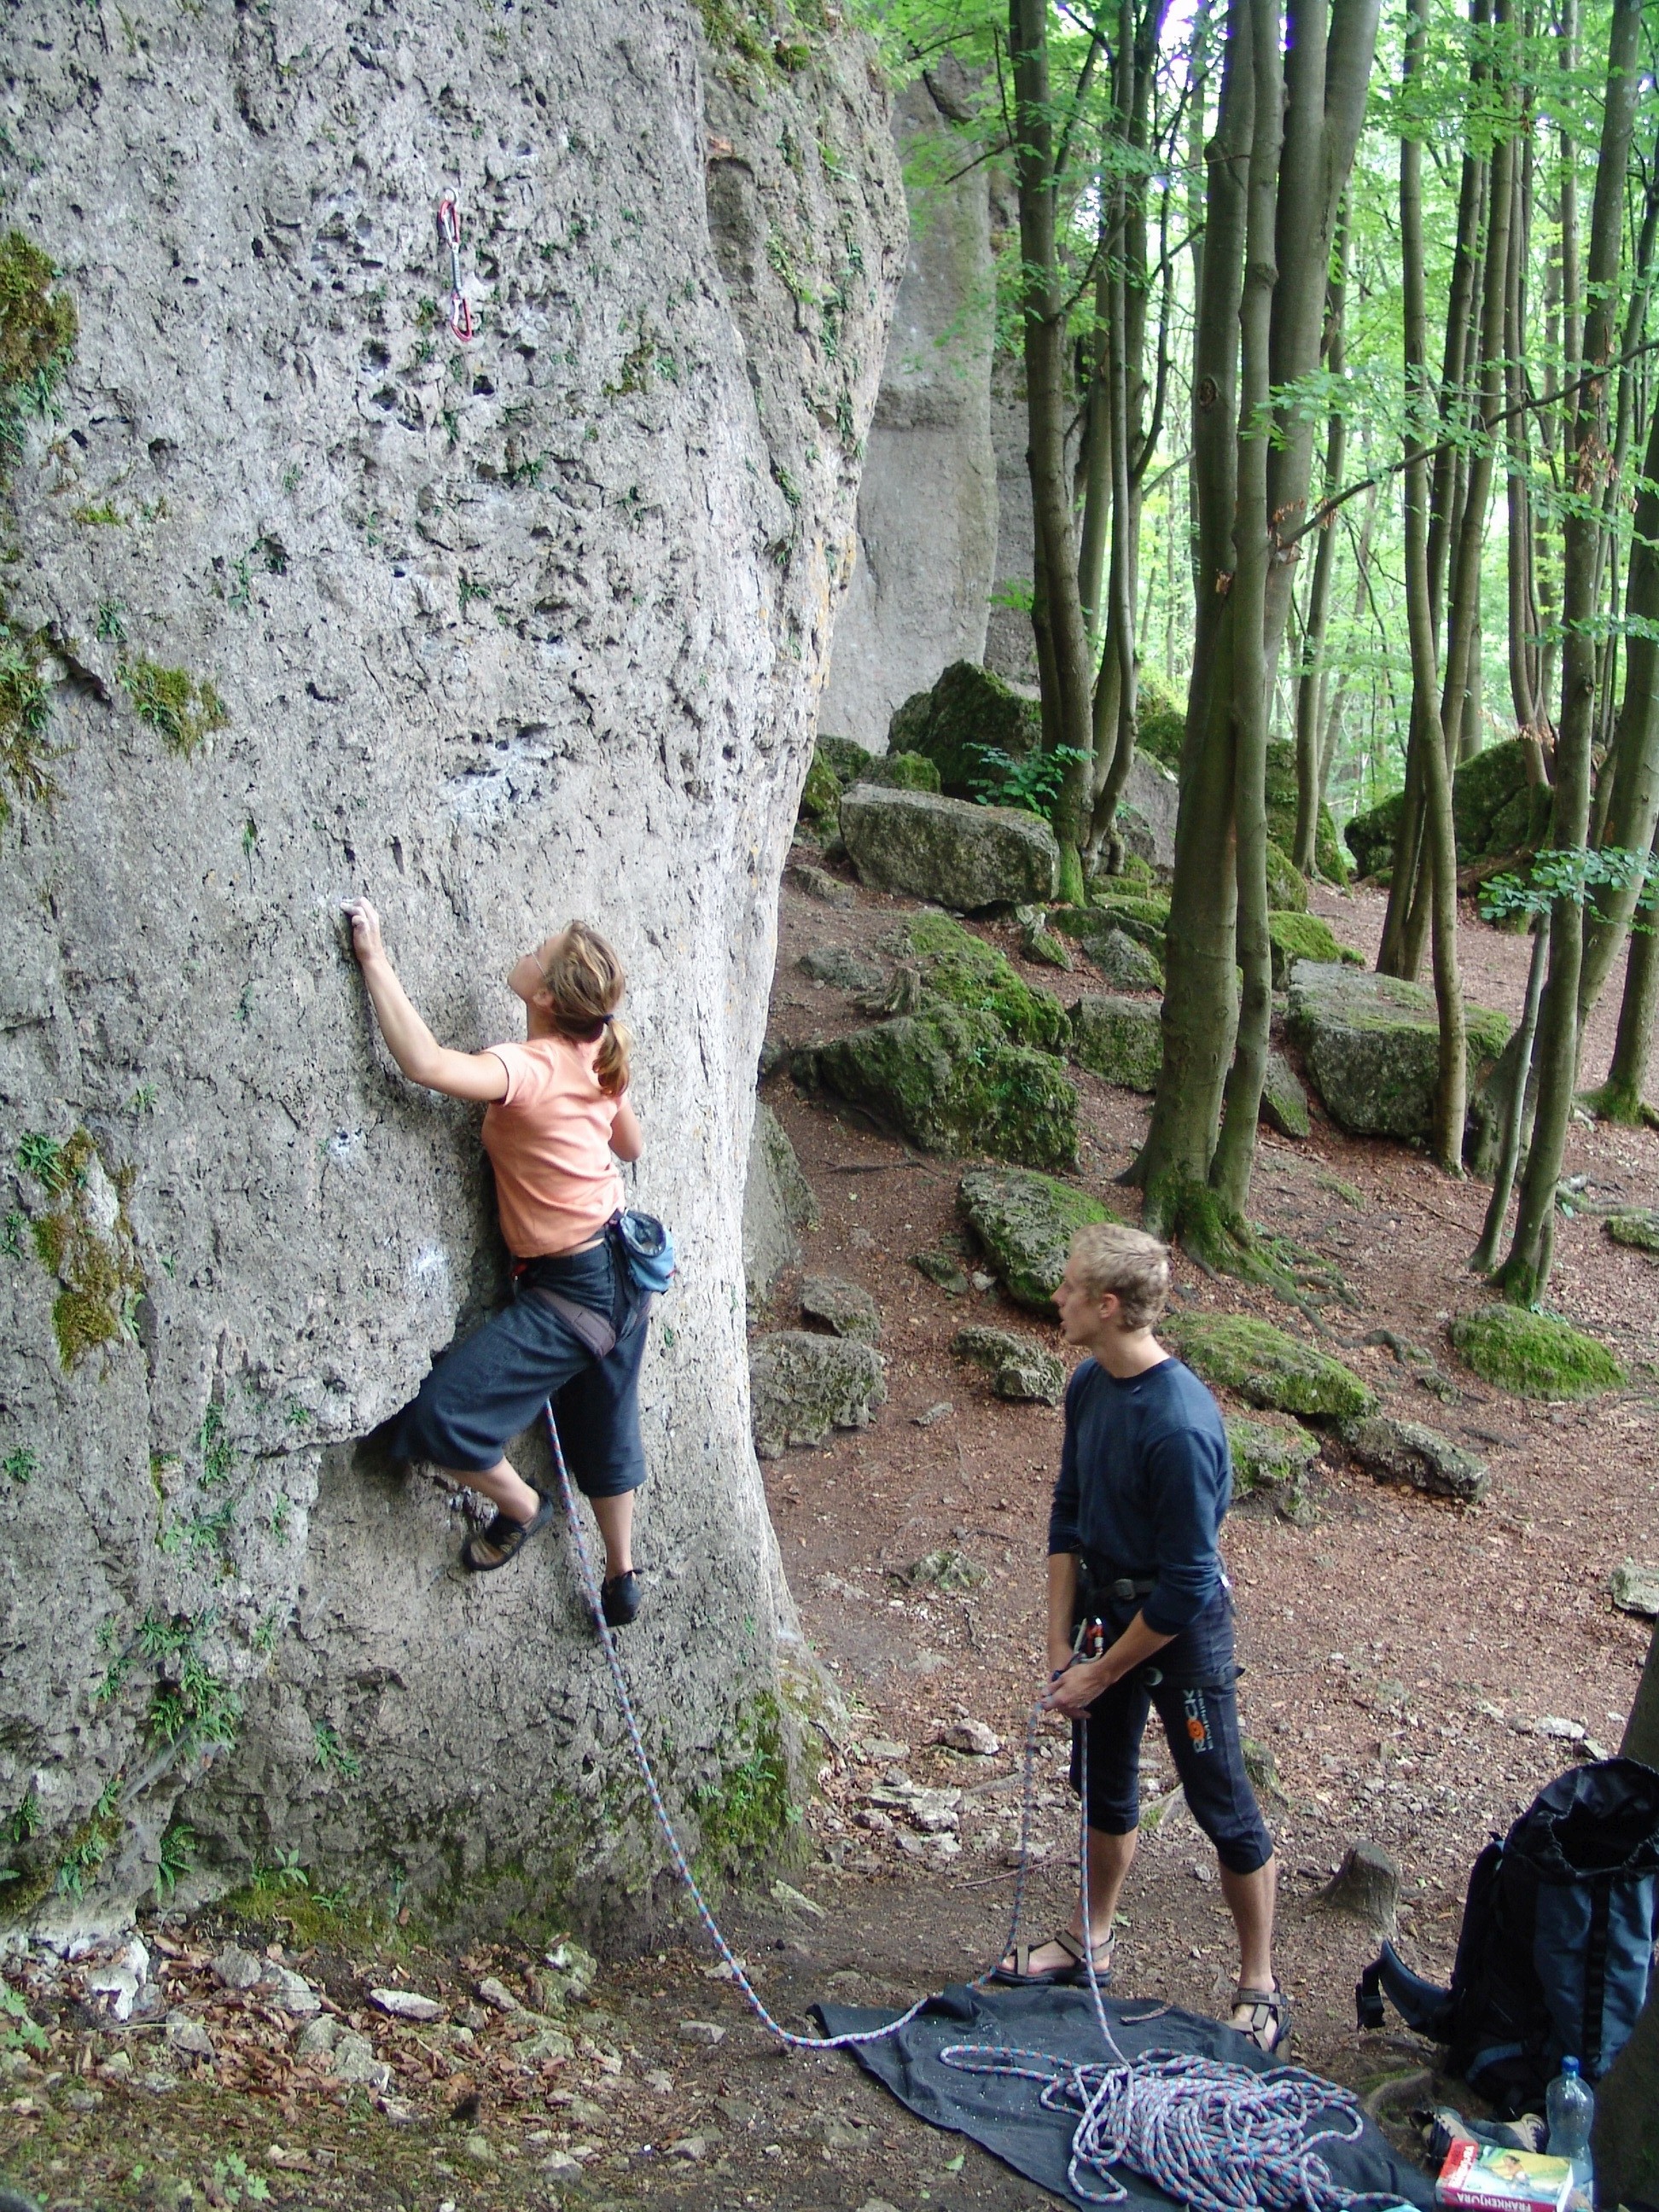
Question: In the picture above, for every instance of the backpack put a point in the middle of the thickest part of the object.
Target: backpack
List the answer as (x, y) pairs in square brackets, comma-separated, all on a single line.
[(1556, 1942)]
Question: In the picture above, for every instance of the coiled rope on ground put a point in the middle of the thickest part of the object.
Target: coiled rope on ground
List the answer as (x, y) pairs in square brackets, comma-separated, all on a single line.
[(1216, 2136)]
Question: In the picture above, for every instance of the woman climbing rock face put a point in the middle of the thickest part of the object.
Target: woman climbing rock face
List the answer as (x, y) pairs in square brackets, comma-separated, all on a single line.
[(558, 1121)]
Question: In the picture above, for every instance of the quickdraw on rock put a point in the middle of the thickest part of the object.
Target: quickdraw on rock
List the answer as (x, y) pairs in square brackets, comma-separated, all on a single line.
[(1218, 2137), (449, 225)]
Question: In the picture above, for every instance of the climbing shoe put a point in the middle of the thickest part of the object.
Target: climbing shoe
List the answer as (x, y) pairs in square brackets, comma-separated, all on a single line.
[(503, 1540), (619, 1599)]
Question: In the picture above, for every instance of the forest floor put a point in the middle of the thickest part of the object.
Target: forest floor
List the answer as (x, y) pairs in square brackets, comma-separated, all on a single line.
[(1417, 1670)]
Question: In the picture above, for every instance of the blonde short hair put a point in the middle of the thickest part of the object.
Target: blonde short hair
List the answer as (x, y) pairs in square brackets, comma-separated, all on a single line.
[(1111, 1256)]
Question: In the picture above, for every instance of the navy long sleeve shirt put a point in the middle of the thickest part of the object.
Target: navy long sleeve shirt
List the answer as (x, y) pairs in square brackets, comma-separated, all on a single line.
[(1144, 1480)]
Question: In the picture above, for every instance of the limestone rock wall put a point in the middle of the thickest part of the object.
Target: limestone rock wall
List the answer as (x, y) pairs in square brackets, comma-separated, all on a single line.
[(324, 602), (928, 509)]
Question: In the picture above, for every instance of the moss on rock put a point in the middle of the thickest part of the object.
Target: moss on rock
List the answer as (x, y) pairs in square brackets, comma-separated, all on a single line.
[(901, 772), (1121, 1040), (83, 1236), (1294, 937), (1495, 812), (1235, 1352), (1271, 1456), (1329, 858), (963, 968), (1533, 1354), (1026, 1222), (820, 795), (180, 708), (1372, 1047), (1284, 1100), (951, 1081), (1637, 1226), (1287, 887)]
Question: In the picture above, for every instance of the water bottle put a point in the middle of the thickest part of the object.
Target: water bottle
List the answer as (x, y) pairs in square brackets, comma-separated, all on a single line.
[(1571, 2104)]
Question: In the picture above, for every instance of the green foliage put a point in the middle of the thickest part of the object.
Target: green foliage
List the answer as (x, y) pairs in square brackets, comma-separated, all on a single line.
[(1573, 872), (1294, 937), (24, 1821), (175, 1858), (181, 708), (1235, 1352), (218, 1453), (820, 798), (26, 747), (19, 2029), (20, 1465), (1031, 781), (749, 1812), (1533, 1354), (332, 1756), (189, 1699)]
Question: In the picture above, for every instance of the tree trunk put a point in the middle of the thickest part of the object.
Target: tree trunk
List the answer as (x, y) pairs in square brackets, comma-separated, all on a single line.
[(1449, 1093), (1485, 1255), (1067, 668), (1525, 1272), (1622, 1097), (1310, 680), (1247, 613), (1200, 1007)]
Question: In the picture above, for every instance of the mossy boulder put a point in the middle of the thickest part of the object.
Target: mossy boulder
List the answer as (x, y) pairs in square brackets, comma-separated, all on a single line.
[(1371, 1045), (845, 757), (1637, 1225), (1022, 1371), (1138, 913), (1283, 1100), (963, 968), (1495, 812), (901, 772), (967, 708), (1160, 724), (1287, 887), (1259, 1363), (1329, 858), (845, 1309), (1293, 937), (952, 1082), (1533, 1354), (1123, 964), (820, 795), (1272, 1457), (1119, 1039), (966, 858), (1026, 1223), (802, 1386)]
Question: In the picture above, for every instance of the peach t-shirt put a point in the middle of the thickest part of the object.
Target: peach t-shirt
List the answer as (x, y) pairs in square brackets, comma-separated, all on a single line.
[(549, 1140)]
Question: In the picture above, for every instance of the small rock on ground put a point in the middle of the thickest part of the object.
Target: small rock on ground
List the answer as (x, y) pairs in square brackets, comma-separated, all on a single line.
[(1020, 1371), (818, 884), (842, 968), (847, 1308), (804, 1385), (1636, 1590), (971, 1736), (1407, 1451)]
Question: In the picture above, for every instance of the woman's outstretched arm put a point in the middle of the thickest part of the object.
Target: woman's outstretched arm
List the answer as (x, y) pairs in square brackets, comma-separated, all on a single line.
[(411, 1044)]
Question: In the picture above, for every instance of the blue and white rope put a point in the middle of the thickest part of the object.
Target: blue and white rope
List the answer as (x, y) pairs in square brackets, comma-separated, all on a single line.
[(1214, 2136)]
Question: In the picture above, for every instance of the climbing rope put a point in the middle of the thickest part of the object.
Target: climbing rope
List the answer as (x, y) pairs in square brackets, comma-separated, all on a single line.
[(1215, 2136), (449, 224)]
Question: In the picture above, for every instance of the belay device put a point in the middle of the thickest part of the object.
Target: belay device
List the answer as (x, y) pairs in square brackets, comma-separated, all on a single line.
[(1557, 1944)]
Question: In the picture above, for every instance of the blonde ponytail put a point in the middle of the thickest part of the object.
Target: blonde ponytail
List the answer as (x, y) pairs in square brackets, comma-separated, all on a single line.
[(584, 982)]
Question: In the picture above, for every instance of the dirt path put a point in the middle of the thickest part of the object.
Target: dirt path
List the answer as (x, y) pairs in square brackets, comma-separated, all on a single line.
[(1401, 1655)]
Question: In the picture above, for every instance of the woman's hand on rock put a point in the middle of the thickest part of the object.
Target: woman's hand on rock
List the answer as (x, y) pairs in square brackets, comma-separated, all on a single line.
[(365, 940)]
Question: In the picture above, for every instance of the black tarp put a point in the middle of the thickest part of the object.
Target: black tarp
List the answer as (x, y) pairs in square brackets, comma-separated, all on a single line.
[(1005, 2115)]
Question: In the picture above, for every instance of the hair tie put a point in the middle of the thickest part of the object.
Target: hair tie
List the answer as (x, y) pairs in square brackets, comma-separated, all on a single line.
[(607, 1019)]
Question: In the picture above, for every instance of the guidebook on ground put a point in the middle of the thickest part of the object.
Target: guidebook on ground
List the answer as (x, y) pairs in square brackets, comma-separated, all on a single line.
[(1483, 2178)]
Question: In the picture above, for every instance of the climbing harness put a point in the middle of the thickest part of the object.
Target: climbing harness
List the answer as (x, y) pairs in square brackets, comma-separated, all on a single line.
[(1215, 2136), (449, 225)]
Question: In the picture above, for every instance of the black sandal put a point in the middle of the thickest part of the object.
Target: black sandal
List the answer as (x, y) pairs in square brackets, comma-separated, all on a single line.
[(619, 1598), (1269, 2024), (507, 1539)]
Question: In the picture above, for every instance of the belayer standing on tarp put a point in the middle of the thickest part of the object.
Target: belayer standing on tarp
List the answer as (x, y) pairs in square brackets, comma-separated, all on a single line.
[(1141, 1613), (558, 1121)]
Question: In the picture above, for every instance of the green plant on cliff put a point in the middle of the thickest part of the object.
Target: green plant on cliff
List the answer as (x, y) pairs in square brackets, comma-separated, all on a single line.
[(85, 1239), (39, 328), (181, 708), (26, 746), (748, 1814)]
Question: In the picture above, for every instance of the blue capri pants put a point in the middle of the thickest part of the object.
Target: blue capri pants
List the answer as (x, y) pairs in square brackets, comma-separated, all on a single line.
[(492, 1386)]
